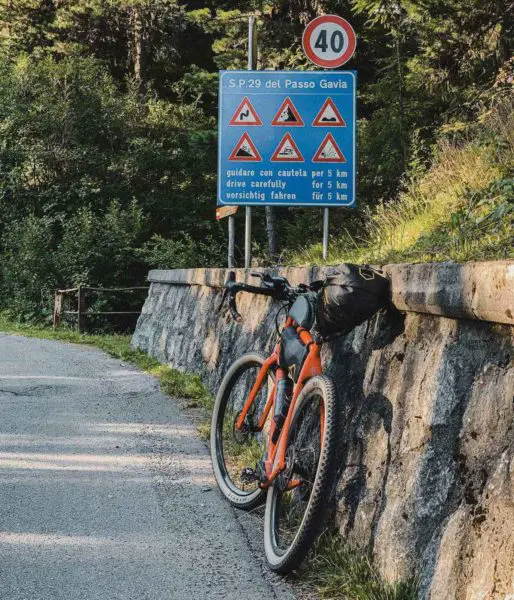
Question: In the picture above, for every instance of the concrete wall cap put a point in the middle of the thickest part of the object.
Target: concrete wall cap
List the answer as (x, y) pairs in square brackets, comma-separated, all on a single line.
[(474, 290)]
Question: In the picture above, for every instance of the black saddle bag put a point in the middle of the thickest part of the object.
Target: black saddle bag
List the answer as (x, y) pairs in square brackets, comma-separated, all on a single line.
[(348, 298)]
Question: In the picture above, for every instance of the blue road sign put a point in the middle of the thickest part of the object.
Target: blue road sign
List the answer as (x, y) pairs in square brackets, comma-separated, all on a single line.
[(287, 138)]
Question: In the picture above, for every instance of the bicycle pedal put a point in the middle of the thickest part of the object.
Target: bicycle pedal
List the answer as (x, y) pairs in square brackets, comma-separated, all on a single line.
[(248, 475)]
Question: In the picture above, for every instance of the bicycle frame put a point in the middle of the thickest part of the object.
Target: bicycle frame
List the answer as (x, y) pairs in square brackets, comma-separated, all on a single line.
[(276, 460)]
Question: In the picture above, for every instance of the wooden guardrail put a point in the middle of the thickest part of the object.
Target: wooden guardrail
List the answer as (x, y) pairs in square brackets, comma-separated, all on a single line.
[(82, 311)]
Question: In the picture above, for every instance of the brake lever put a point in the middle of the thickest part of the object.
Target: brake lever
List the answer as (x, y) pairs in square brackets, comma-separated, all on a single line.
[(230, 282)]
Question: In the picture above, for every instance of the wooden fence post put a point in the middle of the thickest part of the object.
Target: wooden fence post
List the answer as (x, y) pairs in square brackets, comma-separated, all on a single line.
[(81, 309), (57, 309)]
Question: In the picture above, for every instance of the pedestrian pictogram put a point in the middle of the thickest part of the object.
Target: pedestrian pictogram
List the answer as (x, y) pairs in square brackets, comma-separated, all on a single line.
[(245, 114), (287, 151), (329, 116), (287, 115), (245, 150), (329, 151)]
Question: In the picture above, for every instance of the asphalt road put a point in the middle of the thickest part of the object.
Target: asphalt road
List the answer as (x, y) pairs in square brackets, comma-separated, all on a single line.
[(106, 492)]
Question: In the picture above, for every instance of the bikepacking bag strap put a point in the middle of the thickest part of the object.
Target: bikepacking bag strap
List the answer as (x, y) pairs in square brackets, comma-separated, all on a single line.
[(293, 352), (348, 297)]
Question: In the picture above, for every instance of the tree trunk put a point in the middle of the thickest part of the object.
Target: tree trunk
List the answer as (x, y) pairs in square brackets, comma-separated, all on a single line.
[(271, 230), (400, 96), (137, 42), (9, 16)]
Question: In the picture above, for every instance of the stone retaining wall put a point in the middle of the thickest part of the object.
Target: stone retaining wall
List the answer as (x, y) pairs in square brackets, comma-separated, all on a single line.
[(427, 449)]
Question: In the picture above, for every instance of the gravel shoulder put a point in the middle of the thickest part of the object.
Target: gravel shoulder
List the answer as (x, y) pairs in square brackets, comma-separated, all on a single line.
[(106, 490)]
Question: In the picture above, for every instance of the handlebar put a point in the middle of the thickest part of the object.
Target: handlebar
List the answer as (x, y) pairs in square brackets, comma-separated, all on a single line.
[(275, 287)]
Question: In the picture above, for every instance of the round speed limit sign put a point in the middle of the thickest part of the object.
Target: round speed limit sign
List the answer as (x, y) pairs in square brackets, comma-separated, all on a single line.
[(329, 41)]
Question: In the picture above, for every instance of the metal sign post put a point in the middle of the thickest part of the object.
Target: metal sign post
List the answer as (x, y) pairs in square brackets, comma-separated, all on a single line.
[(231, 241), (328, 41), (252, 64), (223, 212), (325, 233)]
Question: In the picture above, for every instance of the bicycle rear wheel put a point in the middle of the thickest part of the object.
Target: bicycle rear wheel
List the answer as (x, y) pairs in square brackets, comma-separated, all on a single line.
[(294, 515), (234, 450)]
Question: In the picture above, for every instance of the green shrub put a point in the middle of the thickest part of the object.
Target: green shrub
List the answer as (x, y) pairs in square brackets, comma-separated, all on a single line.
[(182, 252), (90, 170), (99, 248), (27, 267)]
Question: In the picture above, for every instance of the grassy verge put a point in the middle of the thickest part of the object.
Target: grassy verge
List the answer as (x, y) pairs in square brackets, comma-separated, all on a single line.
[(172, 382), (339, 570), (461, 209)]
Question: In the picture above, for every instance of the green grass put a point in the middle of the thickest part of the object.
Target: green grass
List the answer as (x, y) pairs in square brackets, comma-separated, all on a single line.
[(338, 570), (172, 382), (461, 209)]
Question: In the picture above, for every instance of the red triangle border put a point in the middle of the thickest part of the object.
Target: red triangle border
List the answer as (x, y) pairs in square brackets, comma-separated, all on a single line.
[(317, 123), (327, 138), (287, 137), (289, 102), (245, 136), (244, 101)]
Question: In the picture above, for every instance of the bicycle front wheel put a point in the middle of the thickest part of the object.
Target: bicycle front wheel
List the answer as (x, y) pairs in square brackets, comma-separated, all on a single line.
[(296, 502), (234, 450)]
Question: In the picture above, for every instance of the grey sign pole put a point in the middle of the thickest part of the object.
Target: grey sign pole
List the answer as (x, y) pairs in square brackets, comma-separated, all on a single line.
[(252, 64), (325, 233), (231, 241)]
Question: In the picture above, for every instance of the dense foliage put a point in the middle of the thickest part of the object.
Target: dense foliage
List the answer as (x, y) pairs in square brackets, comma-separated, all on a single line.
[(108, 123)]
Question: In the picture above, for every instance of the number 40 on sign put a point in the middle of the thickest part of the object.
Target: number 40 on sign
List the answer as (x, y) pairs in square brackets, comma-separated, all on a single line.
[(329, 41)]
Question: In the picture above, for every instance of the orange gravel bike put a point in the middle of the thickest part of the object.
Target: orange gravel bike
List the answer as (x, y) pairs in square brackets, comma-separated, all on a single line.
[(274, 426)]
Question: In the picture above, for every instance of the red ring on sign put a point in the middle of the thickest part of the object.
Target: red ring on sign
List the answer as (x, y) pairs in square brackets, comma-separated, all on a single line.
[(313, 57)]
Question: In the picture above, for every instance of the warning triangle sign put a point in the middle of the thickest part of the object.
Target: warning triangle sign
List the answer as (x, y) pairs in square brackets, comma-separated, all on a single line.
[(245, 114), (287, 115), (287, 151), (329, 116), (245, 150), (329, 151)]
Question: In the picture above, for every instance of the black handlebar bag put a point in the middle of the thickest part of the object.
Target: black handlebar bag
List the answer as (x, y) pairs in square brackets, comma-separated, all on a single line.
[(348, 298)]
